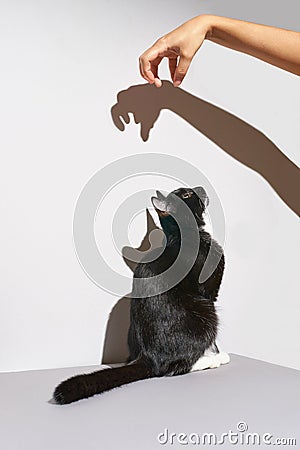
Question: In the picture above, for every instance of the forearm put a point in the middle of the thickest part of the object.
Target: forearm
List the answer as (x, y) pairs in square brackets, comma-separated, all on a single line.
[(274, 45)]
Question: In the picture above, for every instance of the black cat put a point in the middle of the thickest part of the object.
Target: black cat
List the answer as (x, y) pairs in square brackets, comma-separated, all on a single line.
[(172, 329)]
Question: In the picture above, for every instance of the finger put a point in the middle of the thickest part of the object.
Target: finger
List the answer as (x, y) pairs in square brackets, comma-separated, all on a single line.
[(148, 58), (172, 67), (145, 69), (125, 117), (135, 118), (154, 69), (116, 118), (157, 82), (151, 75), (181, 70), (145, 130), (143, 75)]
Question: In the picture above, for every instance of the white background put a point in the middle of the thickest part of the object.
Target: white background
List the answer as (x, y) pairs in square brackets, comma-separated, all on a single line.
[(62, 64)]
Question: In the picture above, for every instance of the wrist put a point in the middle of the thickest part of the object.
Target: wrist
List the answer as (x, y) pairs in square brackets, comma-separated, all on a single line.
[(211, 25), (206, 24), (169, 95)]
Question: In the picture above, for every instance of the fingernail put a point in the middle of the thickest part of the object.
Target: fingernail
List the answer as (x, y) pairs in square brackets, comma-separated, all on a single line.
[(177, 83)]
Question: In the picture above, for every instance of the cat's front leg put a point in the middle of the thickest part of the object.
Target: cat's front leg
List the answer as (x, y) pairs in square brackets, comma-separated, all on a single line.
[(211, 360)]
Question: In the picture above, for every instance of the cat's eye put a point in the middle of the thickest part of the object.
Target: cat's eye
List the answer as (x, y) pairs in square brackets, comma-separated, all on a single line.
[(187, 195)]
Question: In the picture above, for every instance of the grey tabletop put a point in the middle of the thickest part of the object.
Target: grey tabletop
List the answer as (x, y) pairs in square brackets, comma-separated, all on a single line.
[(246, 401)]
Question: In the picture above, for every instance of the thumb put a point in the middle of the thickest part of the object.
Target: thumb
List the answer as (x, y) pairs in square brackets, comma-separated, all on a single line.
[(181, 69)]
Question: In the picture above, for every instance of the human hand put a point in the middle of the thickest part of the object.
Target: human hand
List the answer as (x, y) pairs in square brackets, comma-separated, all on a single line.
[(273, 45), (179, 46)]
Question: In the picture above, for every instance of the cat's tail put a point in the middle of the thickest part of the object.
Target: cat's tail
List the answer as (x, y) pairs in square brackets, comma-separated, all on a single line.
[(87, 385)]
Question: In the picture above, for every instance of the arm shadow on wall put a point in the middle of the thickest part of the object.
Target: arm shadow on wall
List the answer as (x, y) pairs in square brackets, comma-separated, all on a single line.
[(236, 137)]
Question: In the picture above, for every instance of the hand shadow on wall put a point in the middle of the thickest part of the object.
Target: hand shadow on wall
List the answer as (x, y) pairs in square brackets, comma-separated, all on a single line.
[(234, 136)]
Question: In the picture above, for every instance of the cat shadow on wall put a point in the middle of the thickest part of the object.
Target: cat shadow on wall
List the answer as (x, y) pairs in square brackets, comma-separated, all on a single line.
[(115, 348), (233, 135)]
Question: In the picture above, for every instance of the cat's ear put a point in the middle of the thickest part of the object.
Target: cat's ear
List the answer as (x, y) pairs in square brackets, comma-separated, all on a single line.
[(159, 202), (201, 193)]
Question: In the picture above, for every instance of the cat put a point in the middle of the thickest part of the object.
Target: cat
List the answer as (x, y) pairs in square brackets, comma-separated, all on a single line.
[(173, 331)]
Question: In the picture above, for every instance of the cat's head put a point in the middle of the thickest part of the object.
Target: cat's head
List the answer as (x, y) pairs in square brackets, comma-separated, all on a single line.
[(173, 206)]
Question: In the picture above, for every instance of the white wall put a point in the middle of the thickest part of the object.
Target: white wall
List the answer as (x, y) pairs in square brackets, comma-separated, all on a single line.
[(62, 64)]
